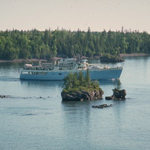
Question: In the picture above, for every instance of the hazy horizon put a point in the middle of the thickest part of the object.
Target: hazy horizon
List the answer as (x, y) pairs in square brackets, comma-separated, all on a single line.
[(72, 15)]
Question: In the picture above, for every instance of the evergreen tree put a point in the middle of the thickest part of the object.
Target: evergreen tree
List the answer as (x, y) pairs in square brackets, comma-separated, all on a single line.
[(88, 78)]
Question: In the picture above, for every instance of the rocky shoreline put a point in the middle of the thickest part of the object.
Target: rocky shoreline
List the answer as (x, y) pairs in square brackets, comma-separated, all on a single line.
[(92, 95), (82, 95)]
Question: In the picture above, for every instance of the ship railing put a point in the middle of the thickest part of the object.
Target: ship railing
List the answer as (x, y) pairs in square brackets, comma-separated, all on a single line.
[(39, 68), (66, 65), (47, 65)]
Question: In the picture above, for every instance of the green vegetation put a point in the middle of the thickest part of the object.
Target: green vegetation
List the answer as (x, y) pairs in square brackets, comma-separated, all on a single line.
[(111, 58), (46, 44), (77, 82)]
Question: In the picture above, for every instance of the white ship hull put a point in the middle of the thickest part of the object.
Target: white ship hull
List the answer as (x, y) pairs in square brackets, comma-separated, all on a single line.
[(95, 74)]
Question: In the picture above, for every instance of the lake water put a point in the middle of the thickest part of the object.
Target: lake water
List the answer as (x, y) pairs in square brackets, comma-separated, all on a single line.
[(35, 118)]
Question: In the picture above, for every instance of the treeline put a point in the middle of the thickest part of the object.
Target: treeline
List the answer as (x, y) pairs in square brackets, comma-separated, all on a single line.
[(45, 44), (78, 82)]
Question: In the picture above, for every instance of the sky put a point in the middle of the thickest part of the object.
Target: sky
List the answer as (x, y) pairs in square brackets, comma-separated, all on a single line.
[(98, 15)]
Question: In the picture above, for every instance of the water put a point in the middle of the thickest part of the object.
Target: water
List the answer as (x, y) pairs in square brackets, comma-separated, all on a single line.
[(35, 118)]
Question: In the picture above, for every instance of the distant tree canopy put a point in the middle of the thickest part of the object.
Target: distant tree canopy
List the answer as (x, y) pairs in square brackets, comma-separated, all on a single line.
[(46, 44)]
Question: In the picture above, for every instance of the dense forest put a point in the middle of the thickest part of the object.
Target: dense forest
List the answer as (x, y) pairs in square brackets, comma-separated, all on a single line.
[(17, 44)]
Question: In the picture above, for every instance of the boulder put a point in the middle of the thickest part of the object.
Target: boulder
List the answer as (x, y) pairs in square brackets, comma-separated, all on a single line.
[(117, 95), (102, 106), (4, 96), (109, 97)]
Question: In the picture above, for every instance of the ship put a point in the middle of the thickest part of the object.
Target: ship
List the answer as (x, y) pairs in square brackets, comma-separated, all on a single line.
[(59, 69)]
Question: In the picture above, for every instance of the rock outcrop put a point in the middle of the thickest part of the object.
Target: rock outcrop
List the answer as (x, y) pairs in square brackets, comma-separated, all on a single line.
[(4, 96), (82, 95), (102, 106), (117, 95)]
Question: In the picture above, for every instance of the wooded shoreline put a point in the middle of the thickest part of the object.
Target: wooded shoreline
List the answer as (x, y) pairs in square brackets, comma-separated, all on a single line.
[(37, 60), (46, 44)]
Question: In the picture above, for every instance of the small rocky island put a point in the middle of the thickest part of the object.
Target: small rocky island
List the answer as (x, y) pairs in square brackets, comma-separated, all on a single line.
[(117, 95), (79, 88)]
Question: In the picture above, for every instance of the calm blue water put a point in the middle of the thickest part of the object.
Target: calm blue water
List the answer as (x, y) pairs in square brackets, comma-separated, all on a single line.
[(35, 118)]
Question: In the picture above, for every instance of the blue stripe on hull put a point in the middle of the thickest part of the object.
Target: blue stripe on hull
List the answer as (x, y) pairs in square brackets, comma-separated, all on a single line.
[(105, 74), (95, 75)]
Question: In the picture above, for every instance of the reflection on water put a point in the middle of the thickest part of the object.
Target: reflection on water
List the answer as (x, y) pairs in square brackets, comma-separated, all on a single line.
[(42, 83), (8, 78), (61, 83), (115, 82), (10, 65)]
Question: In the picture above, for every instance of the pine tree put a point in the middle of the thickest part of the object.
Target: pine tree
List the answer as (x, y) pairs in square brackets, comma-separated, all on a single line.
[(88, 78)]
